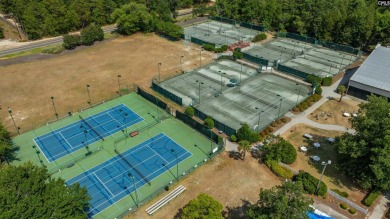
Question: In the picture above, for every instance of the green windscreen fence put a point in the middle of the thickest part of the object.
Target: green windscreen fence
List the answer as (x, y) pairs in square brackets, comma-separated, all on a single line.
[(219, 125), (295, 36), (200, 42), (254, 59), (167, 94), (292, 71), (242, 24), (152, 99), (338, 47)]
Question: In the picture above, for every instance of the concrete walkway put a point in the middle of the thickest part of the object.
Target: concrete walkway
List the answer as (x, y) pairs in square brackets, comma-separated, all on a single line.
[(381, 208)]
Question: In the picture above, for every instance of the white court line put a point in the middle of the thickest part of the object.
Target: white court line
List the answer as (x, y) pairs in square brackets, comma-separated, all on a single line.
[(65, 140), (41, 151), (103, 184)]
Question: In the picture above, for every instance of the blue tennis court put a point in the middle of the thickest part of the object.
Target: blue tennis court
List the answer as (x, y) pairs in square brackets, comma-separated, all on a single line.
[(70, 138), (114, 179)]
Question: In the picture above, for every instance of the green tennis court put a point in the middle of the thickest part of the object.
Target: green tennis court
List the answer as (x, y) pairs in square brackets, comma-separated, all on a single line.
[(84, 159)]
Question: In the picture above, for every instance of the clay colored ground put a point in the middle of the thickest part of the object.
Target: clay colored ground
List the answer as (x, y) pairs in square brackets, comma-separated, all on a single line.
[(232, 182), (27, 87), (333, 178), (335, 109)]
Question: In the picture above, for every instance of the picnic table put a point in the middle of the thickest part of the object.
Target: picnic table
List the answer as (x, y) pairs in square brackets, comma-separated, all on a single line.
[(317, 145)]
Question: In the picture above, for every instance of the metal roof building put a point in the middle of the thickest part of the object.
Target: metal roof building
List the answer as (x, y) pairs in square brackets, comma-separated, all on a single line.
[(373, 76)]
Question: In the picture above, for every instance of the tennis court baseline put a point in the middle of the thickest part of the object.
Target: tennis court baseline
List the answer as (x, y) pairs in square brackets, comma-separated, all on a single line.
[(114, 179), (63, 141)]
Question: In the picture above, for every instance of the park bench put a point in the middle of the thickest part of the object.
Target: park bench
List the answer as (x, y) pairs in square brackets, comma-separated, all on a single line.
[(166, 199)]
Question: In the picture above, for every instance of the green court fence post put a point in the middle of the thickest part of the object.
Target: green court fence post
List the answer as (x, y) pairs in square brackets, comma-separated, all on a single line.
[(119, 85), (89, 96), (54, 106), (258, 122), (135, 188)]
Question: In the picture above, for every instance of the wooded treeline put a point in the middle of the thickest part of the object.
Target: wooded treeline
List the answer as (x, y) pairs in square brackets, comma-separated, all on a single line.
[(353, 22), (41, 18)]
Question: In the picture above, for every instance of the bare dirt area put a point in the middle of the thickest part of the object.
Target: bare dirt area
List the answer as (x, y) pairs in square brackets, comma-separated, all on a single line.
[(332, 177), (331, 112), (9, 31), (231, 181), (27, 87)]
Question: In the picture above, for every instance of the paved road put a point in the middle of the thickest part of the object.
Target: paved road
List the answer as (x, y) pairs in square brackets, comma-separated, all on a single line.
[(43, 43)]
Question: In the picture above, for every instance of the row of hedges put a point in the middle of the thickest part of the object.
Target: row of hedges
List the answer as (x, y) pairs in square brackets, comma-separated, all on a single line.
[(88, 36), (279, 170), (341, 193), (327, 81), (370, 199), (270, 129), (259, 37), (345, 206), (307, 103), (310, 183), (211, 47)]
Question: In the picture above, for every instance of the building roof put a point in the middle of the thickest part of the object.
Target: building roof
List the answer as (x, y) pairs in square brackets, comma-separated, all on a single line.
[(375, 71)]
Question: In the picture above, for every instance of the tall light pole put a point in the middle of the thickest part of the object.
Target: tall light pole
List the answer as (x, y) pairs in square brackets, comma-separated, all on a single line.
[(181, 64), (280, 105), (89, 96), (258, 122), (54, 106), (159, 74), (177, 164), (135, 188), (299, 90), (323, 170), (119, 84), (13, 120), (199, 82), (158, 114)]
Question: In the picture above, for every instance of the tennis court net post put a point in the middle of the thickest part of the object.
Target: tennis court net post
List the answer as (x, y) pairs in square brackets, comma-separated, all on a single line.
[(131, 166), (82, 119)]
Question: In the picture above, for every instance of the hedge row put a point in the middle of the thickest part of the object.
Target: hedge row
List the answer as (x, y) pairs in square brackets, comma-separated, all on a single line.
[(309, 183), (341, 193), (259, 37), (370, 199), (279, 170), (327, 81), (211, 47), (270, 129), (307, 103)]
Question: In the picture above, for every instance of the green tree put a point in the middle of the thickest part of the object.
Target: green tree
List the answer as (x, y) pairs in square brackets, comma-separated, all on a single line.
[(7, 150), (1, 33), (169, 29), (91, 34), (209, 122), (71, 41), (28, 191), (365, 155), (244, 146), (341, 90), (280, 150), (190, 111), (133, 17), (284, 201), (204, 207), (245, 133)]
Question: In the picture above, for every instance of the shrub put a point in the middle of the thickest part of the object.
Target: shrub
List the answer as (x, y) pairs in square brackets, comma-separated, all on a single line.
[(318, 90), (300, 107), (91, 34), (71, 41), (279, 170), (309, 99), (274, 124), (169, 29), (304, 105), (245, 133), (352, 211), (270, 129), (313, 79), (327, 81), (281, 150), (284, 120), (370, 199), (278, 121), (296, 109), (54, 50), (233, 138), (266, 131), (209, 47), (310, 183), (238, 55), (190, 111), (262, 134), (341, 193), (209, 122), (344, 206), (316, 97), (259, 37)]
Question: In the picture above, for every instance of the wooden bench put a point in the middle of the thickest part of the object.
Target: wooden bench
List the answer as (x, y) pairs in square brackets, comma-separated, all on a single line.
[(134, 133), (166, 199)]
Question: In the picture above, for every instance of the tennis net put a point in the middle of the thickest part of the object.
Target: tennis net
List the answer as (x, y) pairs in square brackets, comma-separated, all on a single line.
[(132, 167), (82, 119), (258, 99)]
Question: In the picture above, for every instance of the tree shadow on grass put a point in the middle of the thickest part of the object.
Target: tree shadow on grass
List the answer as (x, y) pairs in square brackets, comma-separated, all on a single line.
[(236, 212)]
